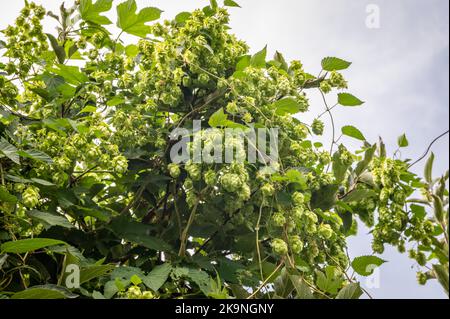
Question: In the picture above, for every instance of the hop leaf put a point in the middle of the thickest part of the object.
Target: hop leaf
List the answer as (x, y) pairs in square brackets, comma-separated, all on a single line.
[(365, 265), (133, 23), (91, 11)]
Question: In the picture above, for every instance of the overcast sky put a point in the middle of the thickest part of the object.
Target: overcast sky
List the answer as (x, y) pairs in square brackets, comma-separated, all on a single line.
[(400, 69)]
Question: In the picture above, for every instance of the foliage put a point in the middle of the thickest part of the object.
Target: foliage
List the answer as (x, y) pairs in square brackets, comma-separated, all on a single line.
[(86, 177)]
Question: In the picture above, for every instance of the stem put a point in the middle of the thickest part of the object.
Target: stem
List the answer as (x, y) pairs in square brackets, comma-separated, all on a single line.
[(257, 243), (265, 281), (1, 174), (429, 148), (184, 235), (332, 124)]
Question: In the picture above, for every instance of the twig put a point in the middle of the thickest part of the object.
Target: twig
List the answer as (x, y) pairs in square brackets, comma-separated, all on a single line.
[(257, 242), (265, 281), (184, 235), (428, 149), (332, 124)]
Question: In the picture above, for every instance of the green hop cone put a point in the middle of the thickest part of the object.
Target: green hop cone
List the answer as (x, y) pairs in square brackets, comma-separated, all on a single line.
[(326, 87), (210, 178), (421, 259), (325, 231), (337, 80), (279, 246), (30, 197), (194, 171), (318, 127), (120, 164), (278, 219), (268, 190), (296, 244), (231, 182), (147, 295), (422, 278), (174, 170), (298, 198)]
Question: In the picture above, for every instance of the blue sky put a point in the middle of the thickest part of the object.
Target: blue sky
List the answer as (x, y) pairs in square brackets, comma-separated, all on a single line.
[(400, 70)]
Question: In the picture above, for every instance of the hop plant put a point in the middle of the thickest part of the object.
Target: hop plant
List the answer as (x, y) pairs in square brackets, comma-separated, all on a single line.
[(279, 246), (326, 86), (298, 198), (31, 196), (194, 171), (174, 170), (296, 244), (210, 178), (267, 190), (325, 231), (279, 219), (231, 182), (318, 127), (337, 80)]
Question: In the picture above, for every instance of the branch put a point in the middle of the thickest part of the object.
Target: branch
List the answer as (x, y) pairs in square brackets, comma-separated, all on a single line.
[(310, 84), (428, 149)]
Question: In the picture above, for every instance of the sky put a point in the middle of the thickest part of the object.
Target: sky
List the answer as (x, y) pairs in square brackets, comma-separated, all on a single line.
[(400, 69)]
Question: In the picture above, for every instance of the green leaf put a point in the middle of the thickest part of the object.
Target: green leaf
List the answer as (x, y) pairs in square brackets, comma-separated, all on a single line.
[(259, 59), (294, 176), (182, 17), (135, 280), (50, 220), (6, 197), (9, 150), (157, 277), (218, 119), (347, 99), (36, 155), (339, 169), (91, 272), (115, 101), (231, 3), (365, 265), (438, 209), (286, 106), (334, 64), (359, 194), (279, 58), (352, 131), (351, 291), (325, 197), (302, 289), (137, 233), (428, 168), (403, 141), (88, 109), (41, 182), (91, 12), (213, 4), (130, 22), (44, 292), (441, 273), (418, 211), (243, 63), (71, 74), (368, 157), (26, 245), (131, 50), (59, 50), (330, 281), (97, 295), (201, 279)]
